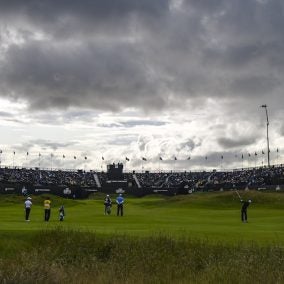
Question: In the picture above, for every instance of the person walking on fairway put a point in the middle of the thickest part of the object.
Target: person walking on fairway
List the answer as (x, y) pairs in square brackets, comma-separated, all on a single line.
[(119, 202), (244, 215), (107, 204), (28, 206), (61, 213), (47, 209)]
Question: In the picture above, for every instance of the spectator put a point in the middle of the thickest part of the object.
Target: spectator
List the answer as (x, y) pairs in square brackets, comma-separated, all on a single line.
[(28, 206), (47, 209), (119, 202), (61, 213), (24, 191), (107, 204)]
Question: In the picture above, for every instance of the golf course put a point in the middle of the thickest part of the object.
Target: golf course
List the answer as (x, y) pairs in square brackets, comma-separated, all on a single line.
[(197, 238)]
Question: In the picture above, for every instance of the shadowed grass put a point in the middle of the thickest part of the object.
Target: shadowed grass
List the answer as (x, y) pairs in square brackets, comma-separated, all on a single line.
[(60, 256)]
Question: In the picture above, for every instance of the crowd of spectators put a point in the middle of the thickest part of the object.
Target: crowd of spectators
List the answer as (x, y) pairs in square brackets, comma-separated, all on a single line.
[(205, 180), (47, 177), (255, 177)]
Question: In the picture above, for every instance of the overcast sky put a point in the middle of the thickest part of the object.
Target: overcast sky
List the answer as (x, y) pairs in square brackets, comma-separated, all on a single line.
[(132, 78)]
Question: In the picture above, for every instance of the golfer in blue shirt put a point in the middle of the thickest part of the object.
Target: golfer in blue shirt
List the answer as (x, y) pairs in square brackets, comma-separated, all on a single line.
[(119, 202)]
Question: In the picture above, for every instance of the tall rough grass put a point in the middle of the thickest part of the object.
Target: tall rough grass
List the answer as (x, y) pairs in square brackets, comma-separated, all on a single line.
[(58, 256)]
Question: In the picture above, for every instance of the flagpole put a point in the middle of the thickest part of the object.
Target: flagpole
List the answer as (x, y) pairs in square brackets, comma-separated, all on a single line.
[(63, 157), (51, 161), (255, 155), (267, 137), (248, 160), (255, 162), (85, 164), (39, 160), (160, 159), (39, 155), (102, 163)]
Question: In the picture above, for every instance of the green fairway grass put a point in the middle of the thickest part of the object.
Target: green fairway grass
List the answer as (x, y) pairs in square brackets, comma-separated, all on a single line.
[(196, 238), (209, 216)]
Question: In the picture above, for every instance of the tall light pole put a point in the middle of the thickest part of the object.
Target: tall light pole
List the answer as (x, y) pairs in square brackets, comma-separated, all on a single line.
[(267, 137)]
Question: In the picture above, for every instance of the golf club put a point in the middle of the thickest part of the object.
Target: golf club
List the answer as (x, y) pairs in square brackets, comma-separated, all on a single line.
[(238, 194)]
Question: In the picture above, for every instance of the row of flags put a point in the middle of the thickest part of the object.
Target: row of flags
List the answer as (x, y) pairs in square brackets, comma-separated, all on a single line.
[(63, 156), (206, 157), (51, 155), (160, 158)]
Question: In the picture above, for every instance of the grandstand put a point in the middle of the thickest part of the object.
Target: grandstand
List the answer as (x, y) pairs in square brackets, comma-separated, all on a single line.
[(79, 183)]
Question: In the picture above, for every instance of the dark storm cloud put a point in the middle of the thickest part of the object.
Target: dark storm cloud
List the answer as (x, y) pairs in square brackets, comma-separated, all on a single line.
[(117, 141), (109, 125), (229, 143), (132, 123), (187, 146), (87, 76), (76, 19), (5, 114), (24, 147), (282, 130), (144, 54), (217, 159), (49, 10), (46, 144), (59, 118)]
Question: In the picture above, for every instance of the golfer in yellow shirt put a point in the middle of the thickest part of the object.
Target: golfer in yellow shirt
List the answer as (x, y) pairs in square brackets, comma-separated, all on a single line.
[(47, 208)]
